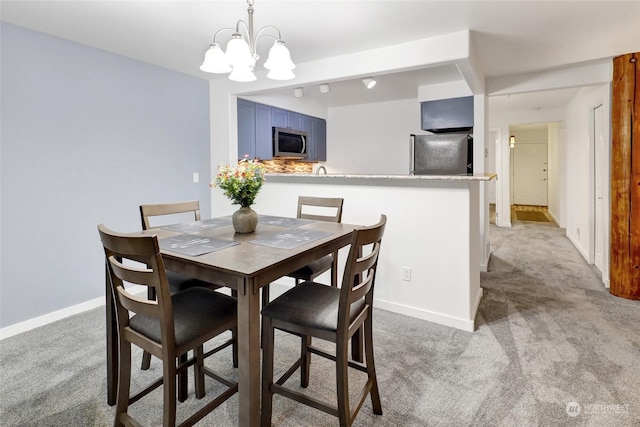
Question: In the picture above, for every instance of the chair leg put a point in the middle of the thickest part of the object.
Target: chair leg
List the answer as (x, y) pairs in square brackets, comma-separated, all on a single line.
[(183, 379), (265, 301), (357, 346), (146, 361), (334, 270), (267, 372), (342, 379), (198, 370), (124, 381), (371, 366), (234, 347), (146, 357), (305, 354), (234, 336), (169, 392)]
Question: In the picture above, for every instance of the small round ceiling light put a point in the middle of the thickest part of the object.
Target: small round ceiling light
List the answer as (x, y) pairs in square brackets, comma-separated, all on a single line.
[(369, 82)]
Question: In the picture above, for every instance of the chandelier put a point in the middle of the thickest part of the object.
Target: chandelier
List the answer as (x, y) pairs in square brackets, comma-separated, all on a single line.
[(241, 55)]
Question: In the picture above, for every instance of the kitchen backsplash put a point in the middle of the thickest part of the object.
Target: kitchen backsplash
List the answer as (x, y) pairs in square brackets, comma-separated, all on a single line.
[(287, 166)]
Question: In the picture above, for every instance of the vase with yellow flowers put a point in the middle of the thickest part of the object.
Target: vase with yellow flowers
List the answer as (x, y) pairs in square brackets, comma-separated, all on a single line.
[(241, 184)]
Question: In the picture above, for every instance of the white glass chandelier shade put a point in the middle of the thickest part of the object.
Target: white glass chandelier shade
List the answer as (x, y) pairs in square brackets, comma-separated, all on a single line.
[(215, 60), (279, 62), (238, 51), (242, 73), (279, 57), (281, 75), (241, 54)]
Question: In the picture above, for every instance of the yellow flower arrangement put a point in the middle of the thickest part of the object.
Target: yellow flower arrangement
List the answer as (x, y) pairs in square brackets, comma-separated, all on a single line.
[(242, 182)]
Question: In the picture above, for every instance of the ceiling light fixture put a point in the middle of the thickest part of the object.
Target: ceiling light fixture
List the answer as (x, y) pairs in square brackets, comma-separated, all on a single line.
[(241, 56), (325, 88), (369, 82), (298, 92)]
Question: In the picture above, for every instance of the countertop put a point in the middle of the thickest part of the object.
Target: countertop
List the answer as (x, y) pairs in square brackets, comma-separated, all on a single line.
[(461, 177)]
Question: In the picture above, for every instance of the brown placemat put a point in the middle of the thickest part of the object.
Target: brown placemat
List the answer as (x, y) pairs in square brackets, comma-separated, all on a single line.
[(531, 216)]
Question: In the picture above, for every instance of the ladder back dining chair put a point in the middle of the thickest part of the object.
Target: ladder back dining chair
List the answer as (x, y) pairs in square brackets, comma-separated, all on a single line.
[(317, 209), (331, 314), (168, 327), (158, 214)]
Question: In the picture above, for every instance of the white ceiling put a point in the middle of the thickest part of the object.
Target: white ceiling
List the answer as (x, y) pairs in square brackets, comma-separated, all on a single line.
[(510, 37)]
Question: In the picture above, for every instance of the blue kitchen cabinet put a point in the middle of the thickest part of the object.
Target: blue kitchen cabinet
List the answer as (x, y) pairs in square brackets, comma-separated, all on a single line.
[(279, 118), (255, 137), (320, 140), (246, 129), (264, 138), (307, 125), (285, 119), (294, 120)]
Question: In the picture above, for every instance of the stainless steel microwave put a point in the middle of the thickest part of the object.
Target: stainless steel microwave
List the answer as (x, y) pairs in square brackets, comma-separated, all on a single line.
[(289, 143)]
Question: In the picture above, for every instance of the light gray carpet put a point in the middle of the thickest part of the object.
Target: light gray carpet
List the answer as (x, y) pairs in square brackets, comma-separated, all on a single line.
[(548, 334)]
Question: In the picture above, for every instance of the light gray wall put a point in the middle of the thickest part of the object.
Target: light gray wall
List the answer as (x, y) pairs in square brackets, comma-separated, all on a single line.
[(372, 138), (86, 137)]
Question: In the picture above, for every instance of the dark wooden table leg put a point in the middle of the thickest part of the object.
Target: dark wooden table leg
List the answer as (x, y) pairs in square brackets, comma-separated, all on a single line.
[(249, 353), (112, 343)]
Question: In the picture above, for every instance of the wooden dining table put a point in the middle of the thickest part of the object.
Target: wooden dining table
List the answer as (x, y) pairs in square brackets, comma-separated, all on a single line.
[(245, 267)]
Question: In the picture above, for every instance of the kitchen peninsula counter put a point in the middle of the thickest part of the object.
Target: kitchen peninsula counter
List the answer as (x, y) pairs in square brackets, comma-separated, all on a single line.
[(434, 242), (461, 177)]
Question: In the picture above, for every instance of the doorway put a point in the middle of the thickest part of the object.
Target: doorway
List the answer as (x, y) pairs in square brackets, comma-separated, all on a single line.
[(529, 165), (529, 159)]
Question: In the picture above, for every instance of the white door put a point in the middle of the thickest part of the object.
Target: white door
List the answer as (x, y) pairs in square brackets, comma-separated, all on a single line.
[(530, 166), (599, 178)]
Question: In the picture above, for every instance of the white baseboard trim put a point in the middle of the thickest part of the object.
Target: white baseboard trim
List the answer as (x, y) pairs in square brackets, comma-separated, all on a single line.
[(476, 305), (36, 322), (555, 218), (54, 316), (418, 313), (276, 289), (576, 244), (484, 266)]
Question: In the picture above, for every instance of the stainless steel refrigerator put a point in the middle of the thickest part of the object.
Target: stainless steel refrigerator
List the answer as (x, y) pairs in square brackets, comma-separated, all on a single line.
[(441, 154)]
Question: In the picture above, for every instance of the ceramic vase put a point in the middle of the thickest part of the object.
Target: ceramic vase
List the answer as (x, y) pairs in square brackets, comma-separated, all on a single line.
[(245, 220)]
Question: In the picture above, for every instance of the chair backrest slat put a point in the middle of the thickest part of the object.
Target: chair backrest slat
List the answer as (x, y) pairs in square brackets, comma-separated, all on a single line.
[(149, 211), (328, 208)]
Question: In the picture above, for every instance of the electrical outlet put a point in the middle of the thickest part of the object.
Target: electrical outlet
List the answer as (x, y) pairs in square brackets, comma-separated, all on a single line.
[(196, 177), (406, 274)]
